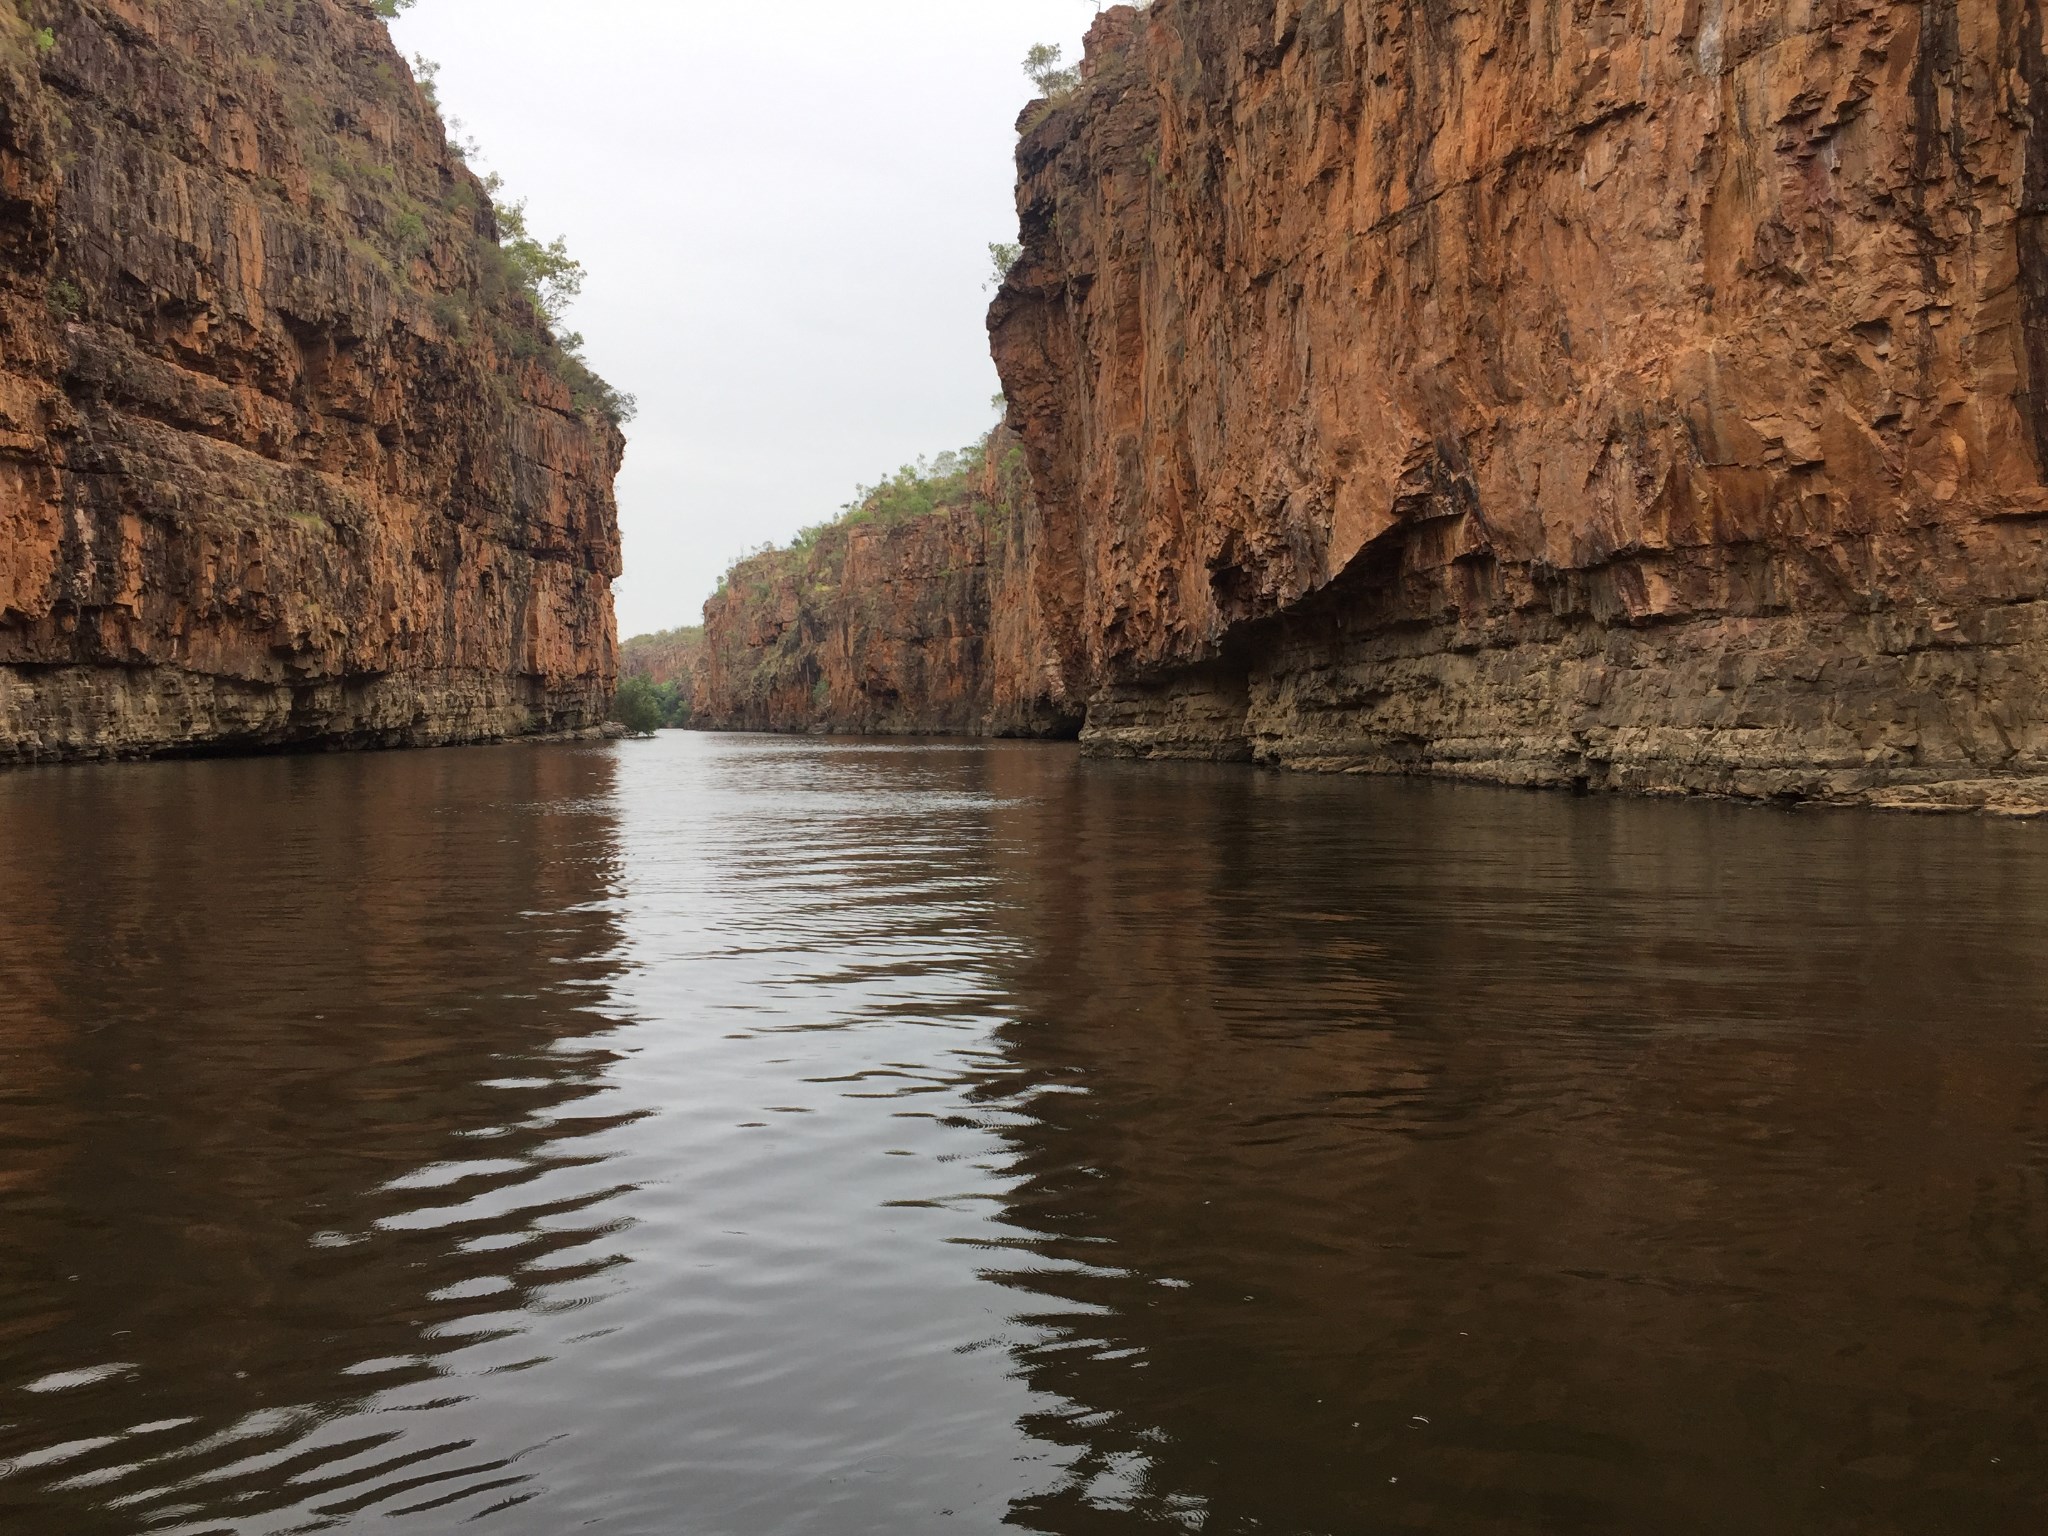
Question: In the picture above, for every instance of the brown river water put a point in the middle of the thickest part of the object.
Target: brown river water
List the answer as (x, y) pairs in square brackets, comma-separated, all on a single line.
[(737, 1135)]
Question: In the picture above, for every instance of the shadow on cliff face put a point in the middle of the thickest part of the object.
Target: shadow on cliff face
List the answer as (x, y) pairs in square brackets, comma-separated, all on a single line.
[(311, 1050), (2032, 232), (1434, 1159), (1655, 504)]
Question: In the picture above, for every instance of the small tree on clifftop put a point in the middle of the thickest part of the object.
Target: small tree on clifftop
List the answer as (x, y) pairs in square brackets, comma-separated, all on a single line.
[(551, 277), (1042, 65)]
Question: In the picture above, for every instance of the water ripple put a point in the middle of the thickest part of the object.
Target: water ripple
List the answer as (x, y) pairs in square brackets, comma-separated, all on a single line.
[(758, 1136)]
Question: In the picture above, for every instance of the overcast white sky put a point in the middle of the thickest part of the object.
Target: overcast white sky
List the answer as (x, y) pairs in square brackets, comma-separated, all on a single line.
[(785, 210)]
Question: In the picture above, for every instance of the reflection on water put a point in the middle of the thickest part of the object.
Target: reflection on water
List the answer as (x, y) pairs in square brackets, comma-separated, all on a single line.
[(730, 1135), (301, 1114)]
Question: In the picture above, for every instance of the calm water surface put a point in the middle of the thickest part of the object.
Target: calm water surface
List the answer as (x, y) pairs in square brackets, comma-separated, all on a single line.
[(734, 1135)]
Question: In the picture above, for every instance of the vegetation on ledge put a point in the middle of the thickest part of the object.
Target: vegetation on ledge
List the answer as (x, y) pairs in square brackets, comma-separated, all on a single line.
[(942, 483), (402, 228)]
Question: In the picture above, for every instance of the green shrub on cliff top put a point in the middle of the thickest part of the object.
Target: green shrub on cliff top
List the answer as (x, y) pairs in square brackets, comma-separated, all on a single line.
[(682, 634), (551, 279), (916, 490), (428, 74), (1042, 64), (542, 272)]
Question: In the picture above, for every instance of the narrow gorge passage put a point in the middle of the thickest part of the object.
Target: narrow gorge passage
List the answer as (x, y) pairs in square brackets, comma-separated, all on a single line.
[(1645, 400)]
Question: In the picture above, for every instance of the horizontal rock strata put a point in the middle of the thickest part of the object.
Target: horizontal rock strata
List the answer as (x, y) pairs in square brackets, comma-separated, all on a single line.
[(286, 457), (1648, 394), (933, 625)]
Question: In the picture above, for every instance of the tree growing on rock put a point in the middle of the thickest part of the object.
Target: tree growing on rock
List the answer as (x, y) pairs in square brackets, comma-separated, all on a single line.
[(1002, 255), (1042, 65)]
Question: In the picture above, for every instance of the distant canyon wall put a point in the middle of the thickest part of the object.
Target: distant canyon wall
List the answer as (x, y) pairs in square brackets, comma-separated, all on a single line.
[(673, 656), (933, 625), (286, 457), (1648, 394)]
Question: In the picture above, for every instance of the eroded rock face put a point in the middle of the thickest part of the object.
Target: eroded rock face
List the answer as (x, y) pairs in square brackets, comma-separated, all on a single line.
[(935, 625), (1637, 393), (673, 656), (283, 457)]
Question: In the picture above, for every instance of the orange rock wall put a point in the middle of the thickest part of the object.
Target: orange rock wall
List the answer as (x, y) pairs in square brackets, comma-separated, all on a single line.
[(673, 656), (1635, 393), (934, 625), (282, 460)]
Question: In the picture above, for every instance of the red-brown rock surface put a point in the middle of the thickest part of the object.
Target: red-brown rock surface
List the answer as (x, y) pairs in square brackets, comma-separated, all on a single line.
[(283, 456), (930, 625), (1638, 393), (673, 656)]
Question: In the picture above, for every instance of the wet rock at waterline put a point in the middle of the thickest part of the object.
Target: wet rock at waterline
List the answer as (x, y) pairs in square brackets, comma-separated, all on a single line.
[(1654, 397)]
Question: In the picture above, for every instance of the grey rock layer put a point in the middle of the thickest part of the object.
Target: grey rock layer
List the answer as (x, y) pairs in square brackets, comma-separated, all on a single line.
[(1649, 396)]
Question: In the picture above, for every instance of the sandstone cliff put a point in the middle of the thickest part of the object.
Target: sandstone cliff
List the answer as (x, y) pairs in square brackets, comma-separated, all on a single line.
[(930, 624), (285, 454), (673, 656), (658, 678), (1636, 393)]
